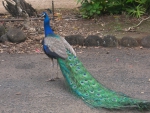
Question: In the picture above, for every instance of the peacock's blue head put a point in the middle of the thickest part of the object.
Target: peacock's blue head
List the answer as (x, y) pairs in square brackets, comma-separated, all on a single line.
[(47, 27), (46, 18)]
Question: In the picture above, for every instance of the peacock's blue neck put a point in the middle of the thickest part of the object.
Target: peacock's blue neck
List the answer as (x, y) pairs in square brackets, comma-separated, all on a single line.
[(48, 30)]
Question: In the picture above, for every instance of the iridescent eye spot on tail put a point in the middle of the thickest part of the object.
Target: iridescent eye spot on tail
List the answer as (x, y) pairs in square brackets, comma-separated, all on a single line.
[(86, 81), (81, 82), (80, 89), (99, 90), (68, 52), (84, 74), (71, 82), (91, 91), (74, 87), (71, 64), (78, 68), (77, 62), (86, 94), (98, 95), (69, 58), (94, 84)]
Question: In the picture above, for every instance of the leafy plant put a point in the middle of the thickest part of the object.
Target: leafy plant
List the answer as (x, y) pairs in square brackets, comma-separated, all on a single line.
[(91, 8), (136, 11)]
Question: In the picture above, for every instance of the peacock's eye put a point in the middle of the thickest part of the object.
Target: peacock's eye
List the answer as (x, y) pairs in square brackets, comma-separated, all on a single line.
[(43, 14)]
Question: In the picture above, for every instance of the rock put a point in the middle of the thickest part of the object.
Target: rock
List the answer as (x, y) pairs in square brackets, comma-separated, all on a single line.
[(145, 42), (129, 42), (3, 38), (93, 40), (110, 41), (2, 30), (75, 39), (16, 35)]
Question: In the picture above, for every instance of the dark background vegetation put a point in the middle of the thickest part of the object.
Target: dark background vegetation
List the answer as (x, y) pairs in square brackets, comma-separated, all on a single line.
[(91, 8)]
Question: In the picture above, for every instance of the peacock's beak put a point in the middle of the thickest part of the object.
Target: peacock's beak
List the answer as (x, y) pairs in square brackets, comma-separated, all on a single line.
[(42, 15)]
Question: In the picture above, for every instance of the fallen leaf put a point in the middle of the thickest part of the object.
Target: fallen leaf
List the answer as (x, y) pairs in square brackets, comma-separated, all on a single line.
[(19, 93), (117, 59), (37, 51), (80, 52), (141, 47), (84, 47)]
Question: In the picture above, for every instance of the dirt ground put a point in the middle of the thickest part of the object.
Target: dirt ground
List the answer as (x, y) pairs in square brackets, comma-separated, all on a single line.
[(24, 87), (69, 22)]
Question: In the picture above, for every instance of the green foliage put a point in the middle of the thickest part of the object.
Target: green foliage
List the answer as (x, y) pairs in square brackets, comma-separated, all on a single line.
[(136, 11), (91, 8), (115, 7)]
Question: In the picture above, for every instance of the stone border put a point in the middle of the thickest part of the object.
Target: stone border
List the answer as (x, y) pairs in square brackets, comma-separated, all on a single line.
[(79, 40), (108, 41)]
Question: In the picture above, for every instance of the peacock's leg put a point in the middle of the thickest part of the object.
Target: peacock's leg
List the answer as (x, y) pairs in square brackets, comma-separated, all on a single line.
[(53, 78)]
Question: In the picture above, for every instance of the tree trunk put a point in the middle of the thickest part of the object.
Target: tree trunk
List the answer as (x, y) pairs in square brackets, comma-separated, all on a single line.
[(16, 7)]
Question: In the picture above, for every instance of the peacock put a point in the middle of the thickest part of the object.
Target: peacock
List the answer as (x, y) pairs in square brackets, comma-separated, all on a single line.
[(79, 79)]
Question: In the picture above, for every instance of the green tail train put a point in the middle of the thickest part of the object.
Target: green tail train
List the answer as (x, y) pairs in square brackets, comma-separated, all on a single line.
[(85, 86)]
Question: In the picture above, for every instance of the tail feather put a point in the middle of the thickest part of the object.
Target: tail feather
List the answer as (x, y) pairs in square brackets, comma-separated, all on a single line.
[(85, 86), (144, 105)]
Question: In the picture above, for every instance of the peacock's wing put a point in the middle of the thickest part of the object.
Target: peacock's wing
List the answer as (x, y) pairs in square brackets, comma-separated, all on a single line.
[(55, 47), (58, 46)]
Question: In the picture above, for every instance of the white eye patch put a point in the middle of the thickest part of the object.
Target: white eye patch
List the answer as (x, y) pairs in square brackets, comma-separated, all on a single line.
[(43, 14)]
